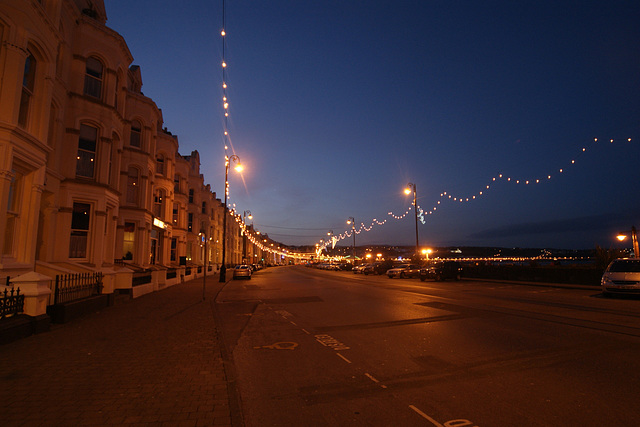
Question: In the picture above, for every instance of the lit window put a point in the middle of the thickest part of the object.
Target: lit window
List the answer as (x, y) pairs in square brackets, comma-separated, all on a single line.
[(158, 203), (128, 246), (86, 158), (176, 213), (133, 183), (80, 219)]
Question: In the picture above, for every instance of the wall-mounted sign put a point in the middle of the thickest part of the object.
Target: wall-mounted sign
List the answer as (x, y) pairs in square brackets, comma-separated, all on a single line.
[(160, 224)]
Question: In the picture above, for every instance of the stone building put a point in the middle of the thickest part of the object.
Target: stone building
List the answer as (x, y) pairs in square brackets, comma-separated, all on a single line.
[(90, 180)]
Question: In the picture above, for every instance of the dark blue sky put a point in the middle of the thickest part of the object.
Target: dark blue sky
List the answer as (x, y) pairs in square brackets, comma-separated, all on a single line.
[(335, 106)]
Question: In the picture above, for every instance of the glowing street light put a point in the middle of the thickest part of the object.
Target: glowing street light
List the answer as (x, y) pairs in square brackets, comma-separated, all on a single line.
[(238, 168), (352, 221), (634, 241), (407, 191)]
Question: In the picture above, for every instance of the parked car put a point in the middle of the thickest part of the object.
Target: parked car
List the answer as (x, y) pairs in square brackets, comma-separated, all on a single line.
[(375, 268), (443, 270), (358, 268), (404, 270), (622, 276), (242, 271)]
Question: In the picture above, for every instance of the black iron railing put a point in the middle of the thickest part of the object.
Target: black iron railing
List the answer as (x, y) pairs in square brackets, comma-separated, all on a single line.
[(11, 302), (71, 287)]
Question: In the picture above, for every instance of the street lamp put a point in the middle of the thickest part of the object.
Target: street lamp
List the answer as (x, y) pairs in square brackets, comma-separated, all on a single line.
[(245, 215), (203, 239), (415, 208), (352, 221), (238, 168), (634, 241)]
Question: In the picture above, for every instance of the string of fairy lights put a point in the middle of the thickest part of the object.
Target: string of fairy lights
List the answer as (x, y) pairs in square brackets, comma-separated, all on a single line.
[(446, 196), (267, 245)]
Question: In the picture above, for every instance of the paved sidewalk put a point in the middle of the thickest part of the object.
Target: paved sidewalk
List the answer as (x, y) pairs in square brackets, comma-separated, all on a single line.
[(153, 360)]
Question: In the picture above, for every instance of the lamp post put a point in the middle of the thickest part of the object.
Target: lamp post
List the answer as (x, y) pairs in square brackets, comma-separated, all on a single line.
[(238, 168), (245, 215), (634, 241), (415, 210), (352, 221), (203, 237)]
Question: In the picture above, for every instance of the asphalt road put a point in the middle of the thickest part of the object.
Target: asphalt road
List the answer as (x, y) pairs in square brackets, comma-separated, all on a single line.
[(318, 348)]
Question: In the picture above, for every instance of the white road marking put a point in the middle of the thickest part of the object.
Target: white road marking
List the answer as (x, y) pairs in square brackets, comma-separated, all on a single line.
[(425, 416), (344, 358)]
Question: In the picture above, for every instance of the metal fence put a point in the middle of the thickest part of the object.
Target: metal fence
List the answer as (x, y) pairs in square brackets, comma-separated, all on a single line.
[(71, 287), (11, 302)]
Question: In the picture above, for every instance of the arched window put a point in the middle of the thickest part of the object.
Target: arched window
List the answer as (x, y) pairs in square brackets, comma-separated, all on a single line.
[(28, 83), (93, 78), (136, 134), (87, 145), (133, 183)]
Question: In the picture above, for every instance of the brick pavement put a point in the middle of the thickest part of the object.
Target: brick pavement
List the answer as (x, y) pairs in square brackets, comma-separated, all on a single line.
[(153, 360)]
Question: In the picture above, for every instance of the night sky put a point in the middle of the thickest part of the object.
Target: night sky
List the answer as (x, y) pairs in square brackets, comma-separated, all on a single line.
[(336, 105)]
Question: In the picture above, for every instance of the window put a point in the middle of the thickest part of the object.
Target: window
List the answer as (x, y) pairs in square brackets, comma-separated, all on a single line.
[(191, 195), (85, 166), (174, 248), (204, 207), (13, 212), (176, 184), (158, 199), (133, 183), (115, 97), (128, 246), (136, 134), (80, 219), (190, 223), (28, 83), (93, 78), (160, 164), (176, 212)]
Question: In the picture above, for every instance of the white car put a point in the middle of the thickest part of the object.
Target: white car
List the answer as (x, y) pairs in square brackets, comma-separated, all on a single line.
[(242, 271), (622, 276)]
